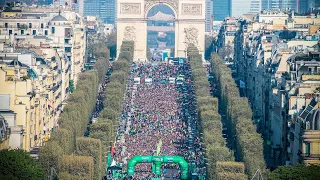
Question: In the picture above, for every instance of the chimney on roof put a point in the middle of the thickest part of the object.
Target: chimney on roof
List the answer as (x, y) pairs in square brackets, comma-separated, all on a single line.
[(292, 14)]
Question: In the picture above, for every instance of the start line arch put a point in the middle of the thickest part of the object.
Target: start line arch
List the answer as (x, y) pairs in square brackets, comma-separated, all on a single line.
[(189, 24), (157, 161)]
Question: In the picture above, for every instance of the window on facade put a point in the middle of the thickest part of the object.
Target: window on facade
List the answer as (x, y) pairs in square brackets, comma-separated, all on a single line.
[(307, 148), (30, 25), (46, 32), (22, 32), (52, 30), (67, 49), (34, 32), (10, 32), (41, 25), (18, 25), (6, 25)]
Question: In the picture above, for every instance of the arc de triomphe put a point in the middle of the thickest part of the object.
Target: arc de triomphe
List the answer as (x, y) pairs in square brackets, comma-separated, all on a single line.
[(189, 24)]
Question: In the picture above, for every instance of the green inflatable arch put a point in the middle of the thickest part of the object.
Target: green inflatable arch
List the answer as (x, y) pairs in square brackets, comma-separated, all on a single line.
[(157, 161)]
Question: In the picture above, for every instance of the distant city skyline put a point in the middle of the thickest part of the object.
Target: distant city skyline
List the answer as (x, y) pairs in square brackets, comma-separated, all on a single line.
[(106, 10)]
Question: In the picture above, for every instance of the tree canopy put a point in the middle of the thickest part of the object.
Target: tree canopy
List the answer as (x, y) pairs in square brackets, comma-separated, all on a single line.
[(18, 164), (210, 120), (300, 172), (248, 143)]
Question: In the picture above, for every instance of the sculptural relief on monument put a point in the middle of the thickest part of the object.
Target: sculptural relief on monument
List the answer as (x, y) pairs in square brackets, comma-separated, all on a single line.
[(191, 9), (130, 8), (191, 35), (173, 3), (129, 33)]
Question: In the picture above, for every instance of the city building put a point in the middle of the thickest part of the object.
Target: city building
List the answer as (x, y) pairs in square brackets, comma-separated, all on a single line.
[(226, 37), (282, 4), (305, 6), (277, 65), (299, 6), (209, 15), (240, 7), (289, 4), (103, 9), (267, 17), (108, 12), (108, 29), (66, 3), (42, 53), (221, 9)]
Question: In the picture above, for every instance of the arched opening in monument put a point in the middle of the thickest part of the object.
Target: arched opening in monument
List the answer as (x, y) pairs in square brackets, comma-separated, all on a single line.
[(161, 33)]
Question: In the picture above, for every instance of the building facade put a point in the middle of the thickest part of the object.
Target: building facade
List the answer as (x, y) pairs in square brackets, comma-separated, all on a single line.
[(278, 73), (103, 9), (221, 9), (241, 7), (300, 6), (209, 15), (42, 54)]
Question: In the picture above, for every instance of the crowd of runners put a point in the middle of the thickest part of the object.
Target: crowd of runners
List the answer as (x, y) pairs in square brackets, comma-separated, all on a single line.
[(159, 114)]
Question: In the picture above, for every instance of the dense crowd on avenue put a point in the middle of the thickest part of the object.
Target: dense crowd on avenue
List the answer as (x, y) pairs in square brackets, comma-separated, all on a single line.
[(154, 116)]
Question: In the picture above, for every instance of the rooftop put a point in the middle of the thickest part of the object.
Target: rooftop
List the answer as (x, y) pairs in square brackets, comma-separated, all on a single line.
[(11, 10), (59, 18)]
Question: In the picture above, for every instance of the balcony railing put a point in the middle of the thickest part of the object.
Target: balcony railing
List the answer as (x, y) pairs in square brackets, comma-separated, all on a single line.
[(308, 155)]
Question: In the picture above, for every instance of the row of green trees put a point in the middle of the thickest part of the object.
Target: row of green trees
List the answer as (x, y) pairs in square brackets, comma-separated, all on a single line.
[(101, 43), (295, 172), (229, 170), (219, 156), (109, 117), (18, 164), (72, 124), (248, 143), (68, 154)]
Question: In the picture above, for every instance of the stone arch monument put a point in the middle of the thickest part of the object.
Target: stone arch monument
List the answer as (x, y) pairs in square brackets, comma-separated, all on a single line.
[(189, 24)]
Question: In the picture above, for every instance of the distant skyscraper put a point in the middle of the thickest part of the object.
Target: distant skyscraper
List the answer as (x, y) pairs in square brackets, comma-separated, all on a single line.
[(317, 4), (289, 4), (209, 14), (307, 5), (221, 9), (45, 2), (296, 5), (108, 11), (104, 9), (240, 7), (303, 6)]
